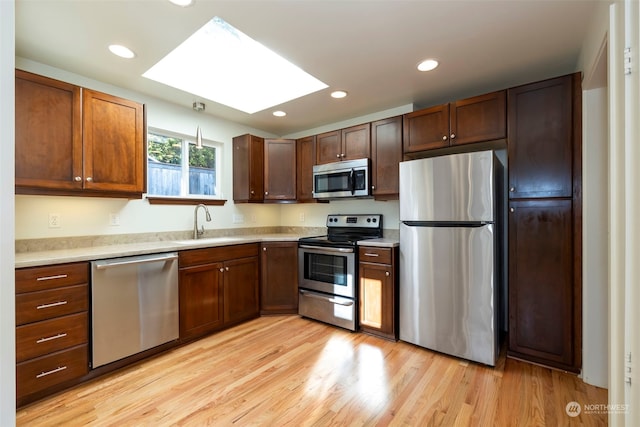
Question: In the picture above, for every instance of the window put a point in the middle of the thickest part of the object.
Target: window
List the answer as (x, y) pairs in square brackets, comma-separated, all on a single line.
[(177, 168)]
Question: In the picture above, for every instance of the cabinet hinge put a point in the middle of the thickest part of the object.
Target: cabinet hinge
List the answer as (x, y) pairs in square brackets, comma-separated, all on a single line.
[(627, 60)]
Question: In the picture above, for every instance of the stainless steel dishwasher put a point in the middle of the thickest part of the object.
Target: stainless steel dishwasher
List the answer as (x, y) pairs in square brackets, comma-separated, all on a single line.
[(134, 305)]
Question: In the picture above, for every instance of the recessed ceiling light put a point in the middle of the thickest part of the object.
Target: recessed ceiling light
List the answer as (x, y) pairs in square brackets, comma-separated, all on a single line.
[(338, 94), (427, 65), (279, 113), (121, 51), (182, 3), (220, 63)]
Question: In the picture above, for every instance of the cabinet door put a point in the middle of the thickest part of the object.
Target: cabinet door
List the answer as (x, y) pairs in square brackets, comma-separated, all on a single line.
[(328, 147), (279, 169), (540, 139), (279, 278), (241, 299), (377, 299), (426, 129), (248, 168), (306, 158), (200, 299), (114, 143), (48, 134), (477, 119), (356, 142), (386, 155), (543, 298)]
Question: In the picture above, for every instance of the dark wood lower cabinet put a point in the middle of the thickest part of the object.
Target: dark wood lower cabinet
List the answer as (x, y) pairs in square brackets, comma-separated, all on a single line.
[(241, 300), (544, 298), (379, 291), (200, 299), (279, 278)]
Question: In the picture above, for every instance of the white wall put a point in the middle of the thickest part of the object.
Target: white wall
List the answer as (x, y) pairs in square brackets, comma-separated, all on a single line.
[(7, 285), (595, 183)]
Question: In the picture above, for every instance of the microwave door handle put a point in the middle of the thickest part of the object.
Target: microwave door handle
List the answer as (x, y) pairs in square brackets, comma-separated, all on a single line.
[(352, 182)]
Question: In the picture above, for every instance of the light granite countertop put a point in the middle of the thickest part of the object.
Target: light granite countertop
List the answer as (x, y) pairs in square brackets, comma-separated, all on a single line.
[(50, 257), (383, 243)]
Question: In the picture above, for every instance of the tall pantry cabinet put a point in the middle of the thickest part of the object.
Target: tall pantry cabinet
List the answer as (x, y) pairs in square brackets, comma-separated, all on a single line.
[(545, 236)]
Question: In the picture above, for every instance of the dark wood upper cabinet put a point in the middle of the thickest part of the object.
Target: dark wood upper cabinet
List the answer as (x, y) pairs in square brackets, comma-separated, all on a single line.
[(279, 278), (346, 144), (306, 158), (540, 139), (279, 169), (386, 155), (426, 129), (542, 297), (248, 168), (477, 119), (71, 140)]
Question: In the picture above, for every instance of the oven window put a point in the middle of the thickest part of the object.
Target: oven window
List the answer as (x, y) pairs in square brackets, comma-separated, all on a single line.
[(325, 268)]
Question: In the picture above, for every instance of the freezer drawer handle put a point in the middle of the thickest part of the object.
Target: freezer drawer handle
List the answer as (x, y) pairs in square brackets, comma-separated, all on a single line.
[(137, 261), (58, 276), (55, 337), (53, 304), (331, 300), (53, 371)]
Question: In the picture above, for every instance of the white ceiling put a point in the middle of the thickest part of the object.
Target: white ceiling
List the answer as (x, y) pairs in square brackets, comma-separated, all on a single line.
[(367, 47)]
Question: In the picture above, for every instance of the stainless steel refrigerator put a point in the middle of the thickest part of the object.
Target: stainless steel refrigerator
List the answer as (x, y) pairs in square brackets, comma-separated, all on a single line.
[(451, 254)]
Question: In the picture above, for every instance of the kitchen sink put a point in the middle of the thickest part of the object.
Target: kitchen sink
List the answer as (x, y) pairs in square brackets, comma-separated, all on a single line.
[(209, 241)]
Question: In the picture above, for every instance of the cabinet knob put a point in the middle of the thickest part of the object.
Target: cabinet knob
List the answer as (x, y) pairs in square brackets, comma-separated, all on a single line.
[(253, 192), (373, 187), (89, 179), (221, 270), (266, 193), (453, 135), (264, 249), (226, 268), (386, 273), (78, 178), (338, 155), (512, 189), (512, 209), (444, 137), (342, 155)]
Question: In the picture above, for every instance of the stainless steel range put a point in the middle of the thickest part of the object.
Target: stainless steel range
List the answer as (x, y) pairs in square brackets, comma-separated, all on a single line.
[(327, 269)]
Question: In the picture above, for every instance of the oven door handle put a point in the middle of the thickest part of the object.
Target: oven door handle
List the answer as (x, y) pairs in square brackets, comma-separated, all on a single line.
[(329, 299), (327, 249)]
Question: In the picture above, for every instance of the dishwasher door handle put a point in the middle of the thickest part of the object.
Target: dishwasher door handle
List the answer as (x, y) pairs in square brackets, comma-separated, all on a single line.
[(106, 265)]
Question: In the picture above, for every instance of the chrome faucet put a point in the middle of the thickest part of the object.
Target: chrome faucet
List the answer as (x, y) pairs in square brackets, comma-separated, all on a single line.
[(197, 233)]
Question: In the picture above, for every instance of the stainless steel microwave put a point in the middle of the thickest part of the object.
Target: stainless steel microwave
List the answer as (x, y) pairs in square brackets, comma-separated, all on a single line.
[(349, 178)]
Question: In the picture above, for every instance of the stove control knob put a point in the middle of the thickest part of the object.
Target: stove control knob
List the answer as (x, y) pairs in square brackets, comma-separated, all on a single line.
[(368, 219)]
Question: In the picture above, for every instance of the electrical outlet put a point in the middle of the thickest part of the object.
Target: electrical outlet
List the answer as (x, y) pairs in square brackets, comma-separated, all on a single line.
[(114, 219), (55, 220), (301, 217), (238, 218), (253, 218)]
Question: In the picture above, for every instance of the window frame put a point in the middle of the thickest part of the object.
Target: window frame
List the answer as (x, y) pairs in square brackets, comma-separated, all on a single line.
[(186, 199)]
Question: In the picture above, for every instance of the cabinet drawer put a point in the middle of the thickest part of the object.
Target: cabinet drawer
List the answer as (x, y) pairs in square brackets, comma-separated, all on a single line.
[(375, 254), (43, 372), (217, 254), (55, 276), (36, 306), (48, 336)]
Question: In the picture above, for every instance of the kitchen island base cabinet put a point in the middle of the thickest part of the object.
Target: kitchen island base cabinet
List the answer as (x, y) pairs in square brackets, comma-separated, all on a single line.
[(218, 288), (279, 278), (379, 291)]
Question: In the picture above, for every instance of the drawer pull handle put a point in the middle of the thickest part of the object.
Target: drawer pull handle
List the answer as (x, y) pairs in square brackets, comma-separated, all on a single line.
[(58, 276), (53, 304), (370, 254), (53, 371), (55, 337)]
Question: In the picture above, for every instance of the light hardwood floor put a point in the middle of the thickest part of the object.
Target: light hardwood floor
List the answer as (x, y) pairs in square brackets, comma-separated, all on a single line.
[(285, 370)]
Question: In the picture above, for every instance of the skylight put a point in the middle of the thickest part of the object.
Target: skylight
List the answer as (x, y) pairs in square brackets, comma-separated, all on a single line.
[(220, 63)]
